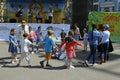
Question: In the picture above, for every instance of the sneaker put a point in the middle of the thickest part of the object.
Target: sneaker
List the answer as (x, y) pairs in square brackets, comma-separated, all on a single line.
[(102, 61), (86, 62), (42, 64), (32, 52), (13, 62), (16, 60), (94, 64), (72, 67), (48, 65)]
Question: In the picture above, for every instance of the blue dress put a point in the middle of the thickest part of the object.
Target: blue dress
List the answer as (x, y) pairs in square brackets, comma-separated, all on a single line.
[(12, 48)]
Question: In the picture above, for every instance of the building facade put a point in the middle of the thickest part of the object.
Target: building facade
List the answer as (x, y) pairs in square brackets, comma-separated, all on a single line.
[(106, 5)]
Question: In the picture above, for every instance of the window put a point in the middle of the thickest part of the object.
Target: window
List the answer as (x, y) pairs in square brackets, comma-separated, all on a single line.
[(106, 9)]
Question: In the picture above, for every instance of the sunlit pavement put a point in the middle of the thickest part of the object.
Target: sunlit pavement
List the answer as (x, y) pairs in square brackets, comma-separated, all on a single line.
[(106, 71)]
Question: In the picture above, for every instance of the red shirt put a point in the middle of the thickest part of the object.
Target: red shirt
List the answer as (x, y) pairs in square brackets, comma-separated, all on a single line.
[(70, 45)]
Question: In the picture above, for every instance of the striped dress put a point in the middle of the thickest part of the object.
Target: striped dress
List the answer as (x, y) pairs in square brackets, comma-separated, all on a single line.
[(12, 40)]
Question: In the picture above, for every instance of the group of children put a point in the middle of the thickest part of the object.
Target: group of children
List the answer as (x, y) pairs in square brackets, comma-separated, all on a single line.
[(49, 44)]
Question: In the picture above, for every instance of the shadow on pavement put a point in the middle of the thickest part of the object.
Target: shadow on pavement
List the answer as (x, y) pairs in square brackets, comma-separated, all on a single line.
[(15, 66), (55, 68), (5, 58), (4, 61)]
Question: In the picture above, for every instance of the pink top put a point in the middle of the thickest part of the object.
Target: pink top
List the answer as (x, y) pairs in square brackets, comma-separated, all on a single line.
[(32, 35)]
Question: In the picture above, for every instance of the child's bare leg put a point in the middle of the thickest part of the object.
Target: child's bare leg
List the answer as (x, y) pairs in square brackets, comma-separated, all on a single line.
[(70, 64), (13, 57), (28, 59), (19, 62), (66, 62)]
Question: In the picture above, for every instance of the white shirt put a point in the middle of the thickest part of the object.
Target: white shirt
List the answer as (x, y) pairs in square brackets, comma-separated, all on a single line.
[(106, 36), (20, 31), (77, 31), (50, 14), (25, 45)]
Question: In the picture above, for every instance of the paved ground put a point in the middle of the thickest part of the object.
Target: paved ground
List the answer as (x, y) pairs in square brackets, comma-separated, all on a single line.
[(107, 71)]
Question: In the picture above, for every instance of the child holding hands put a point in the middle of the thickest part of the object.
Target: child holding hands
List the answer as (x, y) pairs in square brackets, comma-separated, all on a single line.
[(13, 45), (25, 49), (70, 51), (48, 44)]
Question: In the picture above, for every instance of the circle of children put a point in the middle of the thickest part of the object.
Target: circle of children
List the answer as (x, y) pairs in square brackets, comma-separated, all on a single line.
[(21, 38)]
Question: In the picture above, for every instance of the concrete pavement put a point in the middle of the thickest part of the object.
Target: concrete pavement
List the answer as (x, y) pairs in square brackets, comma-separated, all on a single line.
[(107, 71)]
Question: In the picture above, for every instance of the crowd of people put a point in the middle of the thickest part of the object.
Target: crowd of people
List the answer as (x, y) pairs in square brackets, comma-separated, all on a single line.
[(24, 37), (32, 16)]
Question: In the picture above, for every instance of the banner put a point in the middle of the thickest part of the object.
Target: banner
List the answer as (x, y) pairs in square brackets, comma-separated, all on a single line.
[(5, 29), (111, 18)]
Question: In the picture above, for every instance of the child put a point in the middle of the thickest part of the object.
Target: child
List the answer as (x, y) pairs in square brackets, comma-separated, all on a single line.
[(70, 52), (48, 44), (77, 34), (32, 37), (53, 37), (39, 36), (61, 54), (13, 49), (25, 49), (62, 34), (85, 40)]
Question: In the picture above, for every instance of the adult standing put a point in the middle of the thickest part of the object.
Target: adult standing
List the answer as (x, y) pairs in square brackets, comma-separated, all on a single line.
[(20, 14), (21, 29), (93, 37), (105, 44), (30, 15), (77, 34), (39, 18), (100, 29), (50, 15)]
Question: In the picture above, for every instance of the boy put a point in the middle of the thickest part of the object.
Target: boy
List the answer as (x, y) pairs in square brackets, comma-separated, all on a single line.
[(25, 49), (48, 49)]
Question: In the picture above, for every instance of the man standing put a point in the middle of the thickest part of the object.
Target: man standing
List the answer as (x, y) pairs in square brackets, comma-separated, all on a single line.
[(21, 29)]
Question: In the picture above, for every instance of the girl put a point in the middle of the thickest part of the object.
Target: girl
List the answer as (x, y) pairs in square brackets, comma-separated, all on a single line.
[(32, 37), (13, 49), (39, 36), (85, 40), (70, 52)]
